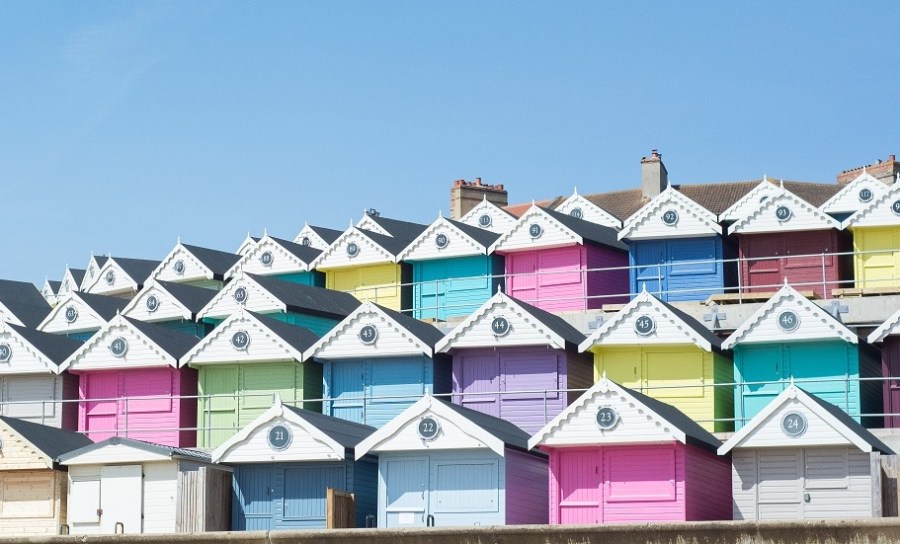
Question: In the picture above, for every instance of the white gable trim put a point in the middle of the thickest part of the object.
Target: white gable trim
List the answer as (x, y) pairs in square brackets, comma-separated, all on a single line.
[(34, 351), (376, 440), (690, 333), (765, 311), (105, 288), (331, 259), (654, 207), (246, 245), (122, 453), (89, 278), (149, 289), (48, 461), (244, 281), (849, 194), (72, 298), (267, 242), (315, 241), (877, 213), (94, 343), (523, 223), (793, 392), (449, 341), (214, 336), (762, 189), (367, 223), (765, 212), (602, 386), (891, 326), (169, 259), (220, 454), (501, 220), (589, 211), (470, 247)]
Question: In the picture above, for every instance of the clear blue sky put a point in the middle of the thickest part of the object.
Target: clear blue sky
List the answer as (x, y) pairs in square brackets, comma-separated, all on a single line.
[(126, 125)]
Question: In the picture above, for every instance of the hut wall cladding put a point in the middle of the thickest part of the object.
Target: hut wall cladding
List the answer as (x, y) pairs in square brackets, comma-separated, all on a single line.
[(32, 502), (519, 369), (41, 395), (385, 284), (244, 391), (204, 498), (454, 287), (168, 421), (680, 269), (768, 260), (890, 367), (880, 267)]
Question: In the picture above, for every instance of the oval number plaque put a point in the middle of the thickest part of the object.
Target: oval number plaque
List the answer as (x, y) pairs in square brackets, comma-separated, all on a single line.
[(71, 314), (279, 437), (240, 295), (110, 277), (865, 195), (352, 249), (240, 340), (895, 207), (607, 417), (577, 213), (152, 303), (793, 424), (429, 428), (118, 347), (368, 334), (500, 326), (783, 213), (644, 325), (179, 267), (788, 321), (535, 230), (670, 217), (266, 258), (5, 353), (441, 241), (485, 220)]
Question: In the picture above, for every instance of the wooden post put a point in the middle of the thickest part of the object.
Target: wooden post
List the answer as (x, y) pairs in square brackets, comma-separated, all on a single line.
[(889, 466), (340, 509)]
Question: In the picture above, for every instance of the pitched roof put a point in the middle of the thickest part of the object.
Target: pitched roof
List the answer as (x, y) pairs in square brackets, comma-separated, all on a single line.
[(589, 231), (55, 347), (54, 285), (309, 299), (51, 441), (217, 261), (21, 292), (391, 244), (426, 332), (300, 338), (329, 235), (346, 433), (173, 342), (149, 447), (553, 322), (30, 315), (137, 269), (481, 236), (405, 230), (518, 210), (192, 297), (304, 253), (77, 275), (510, 434), (851, 424), (106, 306)]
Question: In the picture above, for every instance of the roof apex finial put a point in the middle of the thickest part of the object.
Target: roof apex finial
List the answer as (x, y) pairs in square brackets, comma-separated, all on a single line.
[(603, 376), (765, 178), (575, 192), (786, 281)]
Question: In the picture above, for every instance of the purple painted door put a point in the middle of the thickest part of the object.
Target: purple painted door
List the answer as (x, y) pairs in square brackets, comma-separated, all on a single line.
[(530, 382), (478, 374), (99, 418), (890, 367), (578, 482)]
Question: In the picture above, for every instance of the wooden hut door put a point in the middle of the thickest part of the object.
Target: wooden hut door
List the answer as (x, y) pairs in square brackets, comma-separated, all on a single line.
[(479, 375), (779, 488), (523, 281), (650, 266), (764, 270), (100, 415), (762, 371), (121, 498), (218, 415), (890, 366), (346, 390), (580, 493), (407, 491), (253, 504)]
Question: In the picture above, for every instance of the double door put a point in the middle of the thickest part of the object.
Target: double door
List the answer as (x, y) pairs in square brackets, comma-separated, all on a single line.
[(681, 269), (106, 501), (373, 391)]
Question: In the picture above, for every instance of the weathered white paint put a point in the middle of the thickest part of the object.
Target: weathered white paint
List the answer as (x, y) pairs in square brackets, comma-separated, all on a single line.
[(647, 222), (264, 346), (763, 218), (160, 493), (589, 211)]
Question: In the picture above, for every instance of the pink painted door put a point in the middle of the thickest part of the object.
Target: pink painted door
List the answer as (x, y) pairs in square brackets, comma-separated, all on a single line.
[(641, 485), (100, 417), (148, 407), (578, 477), (522, 281), (479, 379)]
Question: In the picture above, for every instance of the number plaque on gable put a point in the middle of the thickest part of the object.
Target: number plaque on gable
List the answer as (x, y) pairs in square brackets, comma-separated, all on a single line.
[(152, 303), (783, 213), (865, 195), (110, 277), (644, 325), (5, 353), (428, 428), (670, 217), (793, 424), (306, 241), (788, 321), (352, 249), (71, 314), (895, 207), (485, 220), (118, 347), (535, 230), (240, 295), (607, 417), (240, 340), (279, 437), (576, 213), (441, 241), (266, 258), (178, 267), (500, 327), (368, 334)]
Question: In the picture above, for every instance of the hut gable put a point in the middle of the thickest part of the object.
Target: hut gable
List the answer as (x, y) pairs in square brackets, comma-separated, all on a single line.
[(789, 316), (119, 450), (648, 320), (890, 327), (797, 419), (537, 229), (357, 247), (192, 263), (95, 263), (271, 256), (71, 281), (579, 207), (27, 351), (120, 276), (882, 211), (246, 337), (749, 201), (373, 221), (504, 321), (488, 216), (243, 292), (446, 238), (28, 445), (81, 312), (782, 211), (852, 197), (375, 331), (670, 215), (316, 237), (165, 301)]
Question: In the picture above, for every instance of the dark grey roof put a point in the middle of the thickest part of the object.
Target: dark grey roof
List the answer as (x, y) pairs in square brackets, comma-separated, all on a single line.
[(848, 421), (346, 433), (51, 441), (149, 447), (307, 299), (695, 325), (21, 292), (173, 342), (137, 269), (300, 338), (329, 235), (306, 254), (693, 432), (55, 347), (483, 237), (108, 307), (391, 244), (54, 285), (511, 435), (219, 262), (192, 297), (30, 315), (101, 260), (425, 332), (405, 230), (591, 232), (77, 275), (555, 323)]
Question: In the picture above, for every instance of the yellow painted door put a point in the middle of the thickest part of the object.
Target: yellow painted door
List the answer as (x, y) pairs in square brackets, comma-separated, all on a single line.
[(678, 376), (376, 283), (879, 264), (622, 365)]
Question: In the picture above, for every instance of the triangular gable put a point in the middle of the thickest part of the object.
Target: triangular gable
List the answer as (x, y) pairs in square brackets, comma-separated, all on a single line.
[(883, 211), (312, 237), (115, 451), (20, 451), (19, 356), (625, 420), (516, 326), (789, 317), (71, 315), (241, 338), (181, 265), (647, 320), (269, 257), (104, 350), (670, 214), (441, 240), (781, 212), (112, 279), (95, 263), (241, 292), (581, 208), (49, 290), (855, 195), (536, 229), (246, 245), (487, 215), (353, 248), (890, 327), (818, 426), (367, 222), (306, 442), (456, 432), (750, 201), (9, 316), (154, 303), (368, 332)]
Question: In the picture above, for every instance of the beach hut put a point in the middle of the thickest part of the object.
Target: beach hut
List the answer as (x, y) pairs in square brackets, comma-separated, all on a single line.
[(49, 291), (72, 279), (440, 464), (171, 305), (32, 484), (617, 456), (489, 216), (79, 315), (285, 461), (317, 237), (654, 348), (130, 384), (888, 334), (281, 259), (95, 263), (129, 486), (803, 458), (194, 265), (876, 242), (514, 361), (559, 263), (452, 271), (791, 338), (120, 277), (376, 363), (579, 207), (246, 360)]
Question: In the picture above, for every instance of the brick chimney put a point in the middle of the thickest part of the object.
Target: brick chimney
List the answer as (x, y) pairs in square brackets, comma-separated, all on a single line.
[(885, 171), (465, 195), (654, 177)]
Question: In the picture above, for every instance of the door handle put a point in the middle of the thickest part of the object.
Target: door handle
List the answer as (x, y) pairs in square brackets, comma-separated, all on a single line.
[(429, 520), (806, 497)]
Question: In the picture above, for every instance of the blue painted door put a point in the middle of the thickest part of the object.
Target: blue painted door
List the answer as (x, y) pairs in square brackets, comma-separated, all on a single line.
[(392, 386), (406, 492), (253, 498), (344, 384), (679, 269), (301, 498), (648, 267), (761, 369), (430, 290)]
